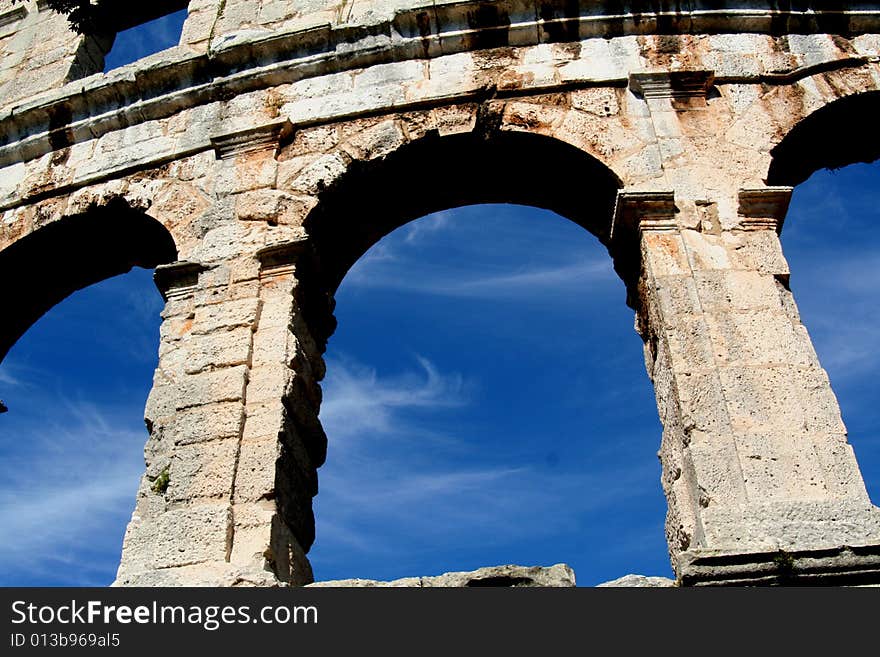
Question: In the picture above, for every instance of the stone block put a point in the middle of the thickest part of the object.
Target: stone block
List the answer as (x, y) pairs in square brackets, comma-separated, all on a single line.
[(203, 470), (724, 290), (702, 402), (840, 470), (209, 422), (265, 420), (780, 466), (278, 304), (216, 386), (262, 538), (377, 141), (690, 344), (758, 337), (674, 296), (268, 383), (164, 398), (757, 251), (272, 345), (319, 175), (247, 172), (664, 254), (219, 350), (178, 537), (227, 315), (706, 251), (791, 525), (557, 576), (717, 473), (272, 206), (255, 479), (780, 398)]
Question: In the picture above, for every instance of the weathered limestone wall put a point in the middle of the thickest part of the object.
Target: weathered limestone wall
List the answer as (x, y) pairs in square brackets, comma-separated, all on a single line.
[(754, 451), (30, 62), (243, 142)]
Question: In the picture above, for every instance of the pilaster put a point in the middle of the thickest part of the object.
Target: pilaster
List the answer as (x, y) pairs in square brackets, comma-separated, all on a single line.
[(761, 481)]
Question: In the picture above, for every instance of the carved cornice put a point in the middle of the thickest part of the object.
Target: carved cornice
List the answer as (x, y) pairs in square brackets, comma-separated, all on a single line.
[(9, 17), (280, 259), (672, 84), (178, 278), (249, 140), (240, 64), (763, 208), (638, 212)]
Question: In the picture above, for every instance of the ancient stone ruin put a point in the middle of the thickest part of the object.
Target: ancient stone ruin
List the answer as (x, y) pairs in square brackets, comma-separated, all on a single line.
[(255, 162)]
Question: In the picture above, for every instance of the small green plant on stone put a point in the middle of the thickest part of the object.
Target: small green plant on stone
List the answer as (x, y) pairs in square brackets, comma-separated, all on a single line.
[(160, 485)]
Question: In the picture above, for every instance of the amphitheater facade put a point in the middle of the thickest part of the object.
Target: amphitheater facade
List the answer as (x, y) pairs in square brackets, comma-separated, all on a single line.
[(255, 162)]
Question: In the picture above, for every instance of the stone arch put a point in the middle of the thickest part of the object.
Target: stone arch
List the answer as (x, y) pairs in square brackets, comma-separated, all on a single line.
[(373, 197), (831, 137), (47, 265), (441, 172)]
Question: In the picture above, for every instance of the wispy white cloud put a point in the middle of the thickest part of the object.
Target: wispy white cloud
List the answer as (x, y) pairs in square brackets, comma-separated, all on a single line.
[(513, 282), (836, 298), (426, 227), (485, 252), (357, 402), (66, 489), (7, 379), (381, 498)]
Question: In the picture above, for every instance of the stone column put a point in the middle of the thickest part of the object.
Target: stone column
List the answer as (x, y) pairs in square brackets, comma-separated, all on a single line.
[(283, 443), (234, 437), (762, 484)]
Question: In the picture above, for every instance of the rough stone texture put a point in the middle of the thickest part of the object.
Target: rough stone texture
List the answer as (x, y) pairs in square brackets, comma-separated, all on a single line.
[(638, 581), (255, 162), (559, 575)]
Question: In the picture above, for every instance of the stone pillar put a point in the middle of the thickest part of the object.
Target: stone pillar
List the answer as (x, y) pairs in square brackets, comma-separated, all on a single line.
[(762, 484), (283, 443), (234, 437)]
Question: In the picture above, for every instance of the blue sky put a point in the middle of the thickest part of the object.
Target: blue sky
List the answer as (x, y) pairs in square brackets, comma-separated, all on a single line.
[(486, 400)]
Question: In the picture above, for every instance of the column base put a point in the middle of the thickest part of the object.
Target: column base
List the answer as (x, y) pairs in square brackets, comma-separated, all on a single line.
[(838, 566)]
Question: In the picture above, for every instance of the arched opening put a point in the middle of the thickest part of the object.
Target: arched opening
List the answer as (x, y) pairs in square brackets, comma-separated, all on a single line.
[(833, 249), (486, 400), (437, 173), (834, 136), (68, 255), (85, 337)]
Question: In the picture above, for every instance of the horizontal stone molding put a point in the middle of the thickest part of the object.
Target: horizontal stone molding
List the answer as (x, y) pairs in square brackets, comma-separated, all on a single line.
[(249, 140), (672, 84), (179, 80), (764, 208), (9, 17), (278, 259), (637, 211), (841, 566), (178, 278)]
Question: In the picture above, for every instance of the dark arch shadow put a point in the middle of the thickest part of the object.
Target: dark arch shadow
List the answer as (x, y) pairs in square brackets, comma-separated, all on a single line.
[(43, 268), (832, 137), (439, 173)]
